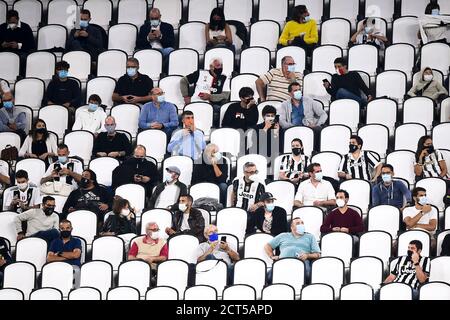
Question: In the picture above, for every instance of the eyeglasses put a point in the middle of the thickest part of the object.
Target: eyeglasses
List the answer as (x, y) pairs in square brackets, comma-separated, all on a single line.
[(251, 172)]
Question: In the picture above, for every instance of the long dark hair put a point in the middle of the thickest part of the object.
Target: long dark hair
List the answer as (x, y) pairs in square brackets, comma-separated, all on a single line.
[(119, 204), (213, 25), (297, 12), (33, 132), (420, 146)]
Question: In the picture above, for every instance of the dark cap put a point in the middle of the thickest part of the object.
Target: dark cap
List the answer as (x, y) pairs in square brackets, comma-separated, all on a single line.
[(267, 196)]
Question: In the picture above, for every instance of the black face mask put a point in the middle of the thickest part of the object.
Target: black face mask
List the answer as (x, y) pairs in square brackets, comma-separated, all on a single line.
[(65, 234), (48, 210), (218, 71), (139, 160), (409, 253), (84, 182), (297, 151), (352, 148), (217, 24), (430, 149), (41, 131)]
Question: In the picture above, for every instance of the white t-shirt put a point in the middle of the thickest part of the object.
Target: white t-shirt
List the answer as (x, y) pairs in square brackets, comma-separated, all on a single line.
[(425, 219), (307, 193), (90, 121), (184, 223)]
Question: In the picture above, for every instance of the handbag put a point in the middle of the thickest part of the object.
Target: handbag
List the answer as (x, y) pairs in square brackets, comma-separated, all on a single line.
[(10, 153), (56, 188)]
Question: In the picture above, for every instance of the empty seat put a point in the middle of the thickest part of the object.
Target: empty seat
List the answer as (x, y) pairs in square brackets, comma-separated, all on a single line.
[(150, 62), (313, 87), (391, 84), (339, 245), (335, 138), (192, 35), (356, 291), (200, 10), (323, 58), (240, 10), (404, 30), (30, 12), (33, 250), (363, 57), (335, 31), (112, 63), (212, 273), (127, 118), (403, 162), (21, 276), (173, 273), (329, 161), (367, 270), (384, 218), (274, 10), (123, 293), (46, 294), (375, 137), (110, 249), (419, 110), (278, 291), (434, 291), (132, 11), (200, 292), (344, 9), (97, 274), (255, 60), (345, 112), (162, 293), (41, 64), (122, 36), (265, 33), (396, 291), (62, 12), (297, 53), (52, 37), (58, 275), (400, 57), (171, 11), (171, 87), (85, 293), (413, 8), (380, 8), (441, 132), (318, 291), (183, 61), (101, 12), (103, 87), (407, 135), (382, 111)]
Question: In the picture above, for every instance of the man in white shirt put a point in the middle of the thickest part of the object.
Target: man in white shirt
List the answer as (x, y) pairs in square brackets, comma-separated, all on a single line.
[(92, 118), (315, 191), (23, 196)]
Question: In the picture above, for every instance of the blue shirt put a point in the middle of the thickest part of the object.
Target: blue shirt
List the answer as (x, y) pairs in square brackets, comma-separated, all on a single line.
[(166, 114), (190, 145), (297, 114), (291, 246), (58, 245), (390, 195)]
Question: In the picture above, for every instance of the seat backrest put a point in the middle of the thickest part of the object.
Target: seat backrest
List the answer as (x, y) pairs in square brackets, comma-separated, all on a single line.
[(112, 63), (344, 9), (162, 217), (345, 112), (33, 250), (400, 57), (212, 273), (150, 62), (375, 137), (407, 135), (103, 168), (312, 218), (363, 57), (173, 273), (51, 36), (435, 291), (254, 247), (103, 87), (384, 218), (368, 270), (122, 36), (439, 270), (8, 226), (289, 271), (135, 274), (256, 267), (297, 53), (403, 162), (232, 220), (58, 275), (155, 142), (313, 87), (404, 30), (40, 64), (192, 35), (171, 87), (339, 245), (243, 80), (359, 191), (240, 10), (84, 224), (171, 11), (284, 192), (436, 191), (30, 12), (200, 292), (335, 31), (265, 33), (123, 293), (225, 54), (132, 11), (396, 291), (255, 60), (329, 161), (391, 83), (317, 291), (440, 136), (356, 291), (162, 293), (101, 12), (85, 293), (200, 10), (323, 58), (413, 8), (97, 274), (382, 111), (239, 292), (183, 247), (183, 61), (419, 110), (203, 113), (329, 270), (279, 291), (380, 8), (406, 237), (46, 294), (185, 164), (335, 138), (274, 10), (62, 12), (21, 276), (127, 117)]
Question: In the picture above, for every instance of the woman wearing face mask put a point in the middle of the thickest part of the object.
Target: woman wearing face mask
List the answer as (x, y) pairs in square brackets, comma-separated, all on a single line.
[(218, 32), (122, 221), (368, 33), (39, 143), (269, 218), (293, 165), (429, 162), (427, 86)]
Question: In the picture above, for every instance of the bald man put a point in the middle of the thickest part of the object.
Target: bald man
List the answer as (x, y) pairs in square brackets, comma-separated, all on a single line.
[(111, 143)]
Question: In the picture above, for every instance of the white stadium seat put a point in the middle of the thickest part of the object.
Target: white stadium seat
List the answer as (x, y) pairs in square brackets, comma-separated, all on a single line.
[(239, 292), (419, 110), (382, 111), (135, 194), (173, 273), (329, 270), (183, 247), (273, 10), (30, 12), (243, 80), (29, 92), (392, 84), (436, 191), (123, 294), (170, 10), (162, 293), (80, 64), (335, 138), (312, 217), (435, 291), (192, 35), (240, 10), (85, 293), (52, 37), (62, 12), (396, 291), (21, 276), (8, 226), (400, 57), (84, 224), (359, 191), (413, 8), (162, 217), (58, 275), (200, 292), (289, 271), (403, 162), (110, 249), (339, 245), (122, 36), (344, 9), (297, 53), (265, 33), (11, 294), (368, 270), (380, 8), (384, 218), (97, 274), (10, 69), (255, 60), (254, 247), (375, 137), (317, 291), (212, 273), (404, 30), (112, 63), (132, 11), (406, 237), (171, 87), (103, 168), (363, 57), (278, 291), (82, 150), (329, 161), (407, 135), (40, 64), (441, 132), (356, 291), (200, 10), (232, 220), (439, 270), (150, 62), (323, 58), (345, 112), (183, 61), (127, 117), (313, 86), (101, 12), (377, 244), (33, 250), (46, 294), (335, 31)]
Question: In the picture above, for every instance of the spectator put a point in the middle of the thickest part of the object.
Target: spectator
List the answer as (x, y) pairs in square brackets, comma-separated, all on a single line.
[(155, 34), (445, 247), (89, 196), (91, 119), (88, 38), (426, 86), (39, 143), (277, 81), (136, 169), (293, 166), (295, 244), (315, 191), (242, 115), (300, 31), (66, 249), (22, 197), (268, 133), (218, 32), (111, 143), (433, 26), (358, 164), (12, 119), (429, 161), (209, 87), (133, 87), (41, 222), (64, 91), (4, 176), (412, 269), (5, 90), (188, 141), (167, 194), (212, 169), (159, 114), (65, 170), (187, 220), (5, 257), (421, 216), (343, 218), (269, 218), (152, 248), (122, 221), (347, 84), (299, 110), (390, 192), (247, 190), (368, 33)]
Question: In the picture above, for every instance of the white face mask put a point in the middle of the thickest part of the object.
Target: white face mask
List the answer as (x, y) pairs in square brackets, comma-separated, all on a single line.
[(340, 203), (182, 207), (125, 212), (155, 235), (270, 118), (253, 177), (428, 77), (22, 186), (12, 25)]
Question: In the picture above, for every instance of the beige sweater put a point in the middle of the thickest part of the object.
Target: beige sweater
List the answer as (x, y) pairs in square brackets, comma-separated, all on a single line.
[(434, 90)]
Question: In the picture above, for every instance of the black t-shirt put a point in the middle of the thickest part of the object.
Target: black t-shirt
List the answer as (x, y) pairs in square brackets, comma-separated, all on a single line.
[(81, 199), (351, 81), (118, 142), (140, 87), (60, 92), (239, 118), (39, 147)]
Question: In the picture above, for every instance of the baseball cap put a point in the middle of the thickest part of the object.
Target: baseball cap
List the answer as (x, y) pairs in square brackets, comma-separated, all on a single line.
[(267, 196), (173, 169)]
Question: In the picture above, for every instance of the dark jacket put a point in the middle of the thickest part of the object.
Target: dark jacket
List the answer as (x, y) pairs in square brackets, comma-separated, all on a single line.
[(279, 221), (160, 188), (351, 81), (204, 172), (80, 199), (93, 43), (167, 39), (195, 221), (124, 173), (60, 92), (23, 35), (4, 251), (119, 224)]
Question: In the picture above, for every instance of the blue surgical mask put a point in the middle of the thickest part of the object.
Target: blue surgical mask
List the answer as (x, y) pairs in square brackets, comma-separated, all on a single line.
[(435, 12), (131, 72), (213, 237), (423, 200), (300, 229), (291, 68), (84, 23), (62, 159), (161, 99), (8, 104), (154, 23), (110, 128), (93, 107), (319, 176), (368, 29), (63, 74), (217, 156), (270, 207), (307, 18), (386, 178), (298, 95)]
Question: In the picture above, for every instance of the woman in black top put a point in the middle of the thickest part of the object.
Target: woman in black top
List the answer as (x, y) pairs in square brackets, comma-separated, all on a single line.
[(122, 221), (39, 143), (269, 218)]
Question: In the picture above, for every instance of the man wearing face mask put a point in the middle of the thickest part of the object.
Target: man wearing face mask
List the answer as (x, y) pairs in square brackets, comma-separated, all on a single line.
[(187, 220), (390, 192), (270, 218), (92, 118), (133, 87), (156, 34), (247, 190), (11, 119), (368, 34), (41, 222), (64, 91), (278, 80), (347, 84), (111, 143), (159, 114), (244, 114), (421, 216), (412, 269), (268, 138), (293, 166), (343, 218), (358, 164), (23, 196), (295, 244), (167, 193), (88, 38), (89, 196), (315, 191)]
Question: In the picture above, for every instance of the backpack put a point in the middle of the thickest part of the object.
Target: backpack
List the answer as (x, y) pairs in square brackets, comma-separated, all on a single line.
[(209, 204)]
